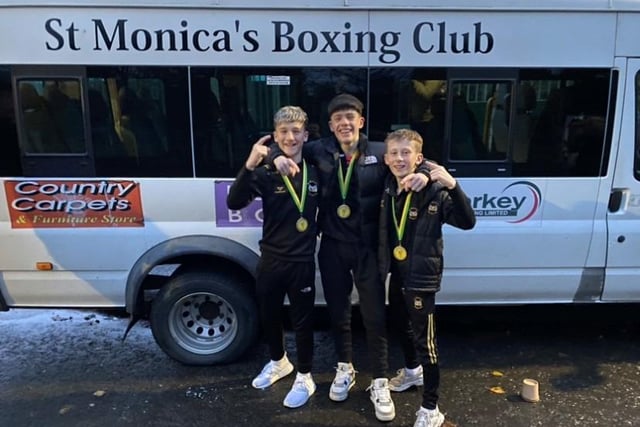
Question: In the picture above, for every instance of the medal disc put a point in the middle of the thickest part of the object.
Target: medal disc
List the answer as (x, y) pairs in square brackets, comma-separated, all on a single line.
[(344, 211), (399, 253), (302, 224)]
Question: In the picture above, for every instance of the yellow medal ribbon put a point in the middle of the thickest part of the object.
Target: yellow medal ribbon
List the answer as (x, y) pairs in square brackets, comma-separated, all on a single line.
[(301, 224), (399, 252), (343, 181)]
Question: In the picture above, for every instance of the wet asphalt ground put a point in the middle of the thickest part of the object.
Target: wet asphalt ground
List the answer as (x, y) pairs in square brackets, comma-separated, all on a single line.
[(70, 368)]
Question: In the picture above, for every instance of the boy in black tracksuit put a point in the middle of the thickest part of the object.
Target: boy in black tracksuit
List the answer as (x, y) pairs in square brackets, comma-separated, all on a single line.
[(287, 264), (411, 248), (352, 173)]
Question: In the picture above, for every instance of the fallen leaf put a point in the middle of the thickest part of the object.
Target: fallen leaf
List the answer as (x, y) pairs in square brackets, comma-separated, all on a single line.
[(65, 409), (99, 393), (497, 390), (497, 374)]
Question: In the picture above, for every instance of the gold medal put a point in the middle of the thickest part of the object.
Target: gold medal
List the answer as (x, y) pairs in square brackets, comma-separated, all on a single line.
[(302, 225), (399, 253), (344, 211)]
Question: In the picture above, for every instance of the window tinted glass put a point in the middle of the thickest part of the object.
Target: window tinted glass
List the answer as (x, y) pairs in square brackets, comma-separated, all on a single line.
[(409, 98), (636, 163), (52, 116), (480, 120), (565, 130), (233, 107), (140, 121), (9, 151)]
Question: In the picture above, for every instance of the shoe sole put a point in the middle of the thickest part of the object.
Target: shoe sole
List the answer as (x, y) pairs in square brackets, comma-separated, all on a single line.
[(337, 398), (283, 374), (406, 386), (386, 417)]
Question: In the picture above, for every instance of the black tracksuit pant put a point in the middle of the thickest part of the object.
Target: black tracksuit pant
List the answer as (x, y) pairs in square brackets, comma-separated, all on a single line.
[(342, 264), (275, 279), (412, 316)]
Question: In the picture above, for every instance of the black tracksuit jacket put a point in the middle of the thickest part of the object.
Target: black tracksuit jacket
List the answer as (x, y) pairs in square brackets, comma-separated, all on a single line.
[(280, 238), (430, 209)]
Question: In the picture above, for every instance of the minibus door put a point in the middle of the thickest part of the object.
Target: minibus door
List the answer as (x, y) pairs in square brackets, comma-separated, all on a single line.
[(53, 130), (622, 280)]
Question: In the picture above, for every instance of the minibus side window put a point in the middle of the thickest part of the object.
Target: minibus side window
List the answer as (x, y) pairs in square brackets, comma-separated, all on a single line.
[(233, 107), (413, 98), (480, 120), (636, 162), (566, 135), (9, 150), (52, 116), (140, 121)]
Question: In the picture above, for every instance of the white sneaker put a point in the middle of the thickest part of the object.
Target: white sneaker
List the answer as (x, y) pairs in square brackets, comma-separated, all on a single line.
[(381, 398), (303, 387), (429, 418), (405, 379), (342, 383), (272, 372)]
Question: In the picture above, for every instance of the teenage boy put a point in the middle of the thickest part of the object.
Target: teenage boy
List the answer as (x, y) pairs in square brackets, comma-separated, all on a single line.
[(411, 247), (287, 264), (352, 173)]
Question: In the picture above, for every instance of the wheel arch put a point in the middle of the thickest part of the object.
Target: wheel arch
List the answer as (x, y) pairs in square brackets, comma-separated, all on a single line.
[(188, 252)]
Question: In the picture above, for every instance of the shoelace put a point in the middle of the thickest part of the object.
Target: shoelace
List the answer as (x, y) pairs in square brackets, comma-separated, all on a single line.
[(300, 385), (383, 395), (343, 376), (270, 369)]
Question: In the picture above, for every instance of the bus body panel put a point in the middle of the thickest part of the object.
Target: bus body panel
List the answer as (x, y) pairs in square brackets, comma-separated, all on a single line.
[(622, 280), (124, 125), (394, 38), (542, 256)]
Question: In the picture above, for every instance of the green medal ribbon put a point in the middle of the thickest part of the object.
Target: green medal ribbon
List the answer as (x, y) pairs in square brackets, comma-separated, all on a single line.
[(344, 181), (299, 201), (400, 228)]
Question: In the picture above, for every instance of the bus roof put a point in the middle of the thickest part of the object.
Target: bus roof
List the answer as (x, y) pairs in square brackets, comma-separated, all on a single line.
[(496, 5)]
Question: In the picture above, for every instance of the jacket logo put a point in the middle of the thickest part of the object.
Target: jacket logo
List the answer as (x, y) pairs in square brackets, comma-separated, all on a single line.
[(413, 214), (280, 189), (418, 304), (432, 209), (312, 186), (369, 160)]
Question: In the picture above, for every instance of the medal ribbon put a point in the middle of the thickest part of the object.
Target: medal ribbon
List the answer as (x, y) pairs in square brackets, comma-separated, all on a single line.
[(344, 181), (299, 201), (403, 220)]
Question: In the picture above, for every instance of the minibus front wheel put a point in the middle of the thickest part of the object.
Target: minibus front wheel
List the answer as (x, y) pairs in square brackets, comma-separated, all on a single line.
[(204, 318)]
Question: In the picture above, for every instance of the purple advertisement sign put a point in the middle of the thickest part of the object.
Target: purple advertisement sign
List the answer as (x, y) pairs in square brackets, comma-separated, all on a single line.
[(251, 216)]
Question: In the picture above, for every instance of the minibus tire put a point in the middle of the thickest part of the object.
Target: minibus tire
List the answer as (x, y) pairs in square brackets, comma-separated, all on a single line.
[(204, 318)]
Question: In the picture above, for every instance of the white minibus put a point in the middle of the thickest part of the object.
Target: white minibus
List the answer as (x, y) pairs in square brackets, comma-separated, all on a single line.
[(123, 123)]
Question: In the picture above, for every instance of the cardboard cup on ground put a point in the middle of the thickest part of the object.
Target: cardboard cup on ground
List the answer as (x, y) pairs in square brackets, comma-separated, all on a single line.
[(530, 390)]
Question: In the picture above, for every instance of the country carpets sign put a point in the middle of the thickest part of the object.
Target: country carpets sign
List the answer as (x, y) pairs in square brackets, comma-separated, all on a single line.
[(64, 204)]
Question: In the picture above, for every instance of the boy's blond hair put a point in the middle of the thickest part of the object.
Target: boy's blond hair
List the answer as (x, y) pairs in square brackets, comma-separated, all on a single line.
[(290, 114), (408, 134)]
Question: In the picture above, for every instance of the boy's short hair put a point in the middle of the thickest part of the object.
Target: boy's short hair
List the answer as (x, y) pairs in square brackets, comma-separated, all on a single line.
[(290, 114), (408, 134), (344, 101)]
